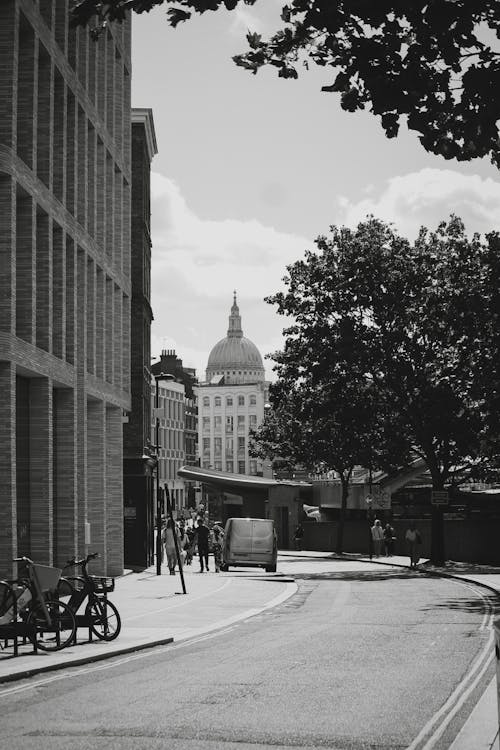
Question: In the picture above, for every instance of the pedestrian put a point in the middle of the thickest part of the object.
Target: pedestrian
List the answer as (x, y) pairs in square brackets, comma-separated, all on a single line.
[(218, 538), (190, 543), (183, 542), (170, 550), (202, 534), (298, 535), (413, 540), (389, 540), (377, 537)]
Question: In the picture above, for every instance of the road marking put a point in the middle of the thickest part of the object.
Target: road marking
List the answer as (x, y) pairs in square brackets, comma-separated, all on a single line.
[(464, 688), (181, 602), (224, 626)]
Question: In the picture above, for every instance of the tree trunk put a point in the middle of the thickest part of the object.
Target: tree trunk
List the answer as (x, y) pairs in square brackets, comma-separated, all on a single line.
[(343, 508), (437, 527)]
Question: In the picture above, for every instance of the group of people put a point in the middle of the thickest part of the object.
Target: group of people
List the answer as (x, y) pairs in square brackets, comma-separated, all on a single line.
[(191, 539), (383, 538)]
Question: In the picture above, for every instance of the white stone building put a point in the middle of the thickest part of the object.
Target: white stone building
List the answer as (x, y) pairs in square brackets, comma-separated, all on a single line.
[(171, 445), (231, 402)]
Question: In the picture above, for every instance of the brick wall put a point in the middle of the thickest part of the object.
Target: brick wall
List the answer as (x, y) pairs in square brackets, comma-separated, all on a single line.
[(65, 173)]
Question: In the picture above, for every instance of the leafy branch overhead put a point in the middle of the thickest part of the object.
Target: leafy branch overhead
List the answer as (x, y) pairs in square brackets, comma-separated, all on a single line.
[(432, 64)]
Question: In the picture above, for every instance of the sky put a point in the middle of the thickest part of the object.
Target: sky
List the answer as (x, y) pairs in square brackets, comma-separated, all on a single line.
[(251, 169)]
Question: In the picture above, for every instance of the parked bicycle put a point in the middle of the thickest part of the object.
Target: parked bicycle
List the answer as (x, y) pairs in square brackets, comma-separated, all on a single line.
[(101, 615), (50, 623)]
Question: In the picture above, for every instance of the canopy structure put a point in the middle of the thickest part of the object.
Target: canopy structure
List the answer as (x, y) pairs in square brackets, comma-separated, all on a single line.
[(232, 482)]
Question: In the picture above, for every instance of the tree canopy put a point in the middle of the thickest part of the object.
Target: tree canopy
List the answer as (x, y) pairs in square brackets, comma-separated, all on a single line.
[(433, 64), (393, 350)]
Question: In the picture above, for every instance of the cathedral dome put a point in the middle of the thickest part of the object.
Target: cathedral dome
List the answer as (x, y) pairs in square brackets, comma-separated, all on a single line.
[(235, 357)]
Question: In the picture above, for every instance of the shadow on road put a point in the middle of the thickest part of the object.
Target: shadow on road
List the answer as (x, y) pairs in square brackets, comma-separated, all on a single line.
[(360, 575)]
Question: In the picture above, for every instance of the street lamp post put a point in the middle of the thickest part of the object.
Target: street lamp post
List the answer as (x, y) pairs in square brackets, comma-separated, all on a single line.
[(161, 376)]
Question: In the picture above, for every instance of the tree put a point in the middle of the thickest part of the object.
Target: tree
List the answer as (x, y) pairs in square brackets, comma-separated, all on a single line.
[(430, 63), (410, 320)]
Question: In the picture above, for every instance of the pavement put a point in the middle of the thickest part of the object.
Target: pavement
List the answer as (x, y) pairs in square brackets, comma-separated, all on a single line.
[(155, 611)]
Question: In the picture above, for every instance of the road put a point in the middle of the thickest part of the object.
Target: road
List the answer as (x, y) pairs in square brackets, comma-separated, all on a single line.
[(360, 658)]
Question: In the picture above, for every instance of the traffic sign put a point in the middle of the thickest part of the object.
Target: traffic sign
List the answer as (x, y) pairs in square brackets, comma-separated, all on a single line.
[(439, 497)]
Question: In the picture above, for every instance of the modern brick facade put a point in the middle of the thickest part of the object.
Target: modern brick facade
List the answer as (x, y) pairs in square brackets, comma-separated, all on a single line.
[(138, 467), (65, 289)]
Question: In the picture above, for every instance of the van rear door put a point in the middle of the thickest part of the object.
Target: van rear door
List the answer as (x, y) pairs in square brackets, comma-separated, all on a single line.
[(241, 538), (262, 538)]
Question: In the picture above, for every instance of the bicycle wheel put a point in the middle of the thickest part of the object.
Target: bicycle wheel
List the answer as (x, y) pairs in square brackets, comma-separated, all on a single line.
[(104, 619), (59, 632)]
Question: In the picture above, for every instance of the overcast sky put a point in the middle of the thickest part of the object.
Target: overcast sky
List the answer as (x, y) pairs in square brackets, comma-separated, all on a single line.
[(250, 169)]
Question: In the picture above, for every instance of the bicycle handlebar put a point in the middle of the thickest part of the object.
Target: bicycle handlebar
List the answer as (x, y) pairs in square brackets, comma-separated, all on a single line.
[(83, 561), (23, 559)]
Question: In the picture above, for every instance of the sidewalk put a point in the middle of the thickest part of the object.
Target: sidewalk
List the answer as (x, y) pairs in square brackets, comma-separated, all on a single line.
[(154, 611)]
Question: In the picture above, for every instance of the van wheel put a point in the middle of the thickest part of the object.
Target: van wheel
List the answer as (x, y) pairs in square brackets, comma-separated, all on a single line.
[(270, 568), (224, 567)]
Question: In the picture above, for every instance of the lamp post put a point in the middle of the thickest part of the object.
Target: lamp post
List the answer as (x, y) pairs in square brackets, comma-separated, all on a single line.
[(158, 378)]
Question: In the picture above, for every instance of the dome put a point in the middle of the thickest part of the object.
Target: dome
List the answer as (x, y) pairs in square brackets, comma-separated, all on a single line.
[(235, 357)]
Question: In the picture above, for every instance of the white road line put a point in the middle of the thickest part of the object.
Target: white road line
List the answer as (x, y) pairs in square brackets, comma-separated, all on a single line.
[(464, 689), (220, 628), (181, 602)]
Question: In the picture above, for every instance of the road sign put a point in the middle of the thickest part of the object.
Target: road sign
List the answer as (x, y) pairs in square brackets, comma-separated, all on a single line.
[(439, 497)]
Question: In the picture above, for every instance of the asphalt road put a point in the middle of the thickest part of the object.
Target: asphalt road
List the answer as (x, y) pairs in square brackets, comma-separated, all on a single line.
[(360, 658)]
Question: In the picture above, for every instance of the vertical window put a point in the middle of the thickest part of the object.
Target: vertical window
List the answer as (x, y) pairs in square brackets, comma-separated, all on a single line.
[(229, 401), (218, 465), (241, 400), (217, 424), (252, 421), (241, 445), (253, 467), (217, 446), (253, 400), (206, 401), (206, 446), (217, 401), (229, 466), (229, 447), (241, 467), (206, 424), (241, 422), (229, 425)]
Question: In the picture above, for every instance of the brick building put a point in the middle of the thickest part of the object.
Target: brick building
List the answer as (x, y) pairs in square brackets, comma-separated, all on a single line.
[(138, 466), (64, 284)]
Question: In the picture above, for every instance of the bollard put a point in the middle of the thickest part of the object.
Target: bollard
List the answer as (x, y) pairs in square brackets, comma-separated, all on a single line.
[(496, 626)]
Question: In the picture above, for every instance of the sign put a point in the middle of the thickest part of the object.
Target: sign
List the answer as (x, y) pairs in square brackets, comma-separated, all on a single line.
[(439, 497)]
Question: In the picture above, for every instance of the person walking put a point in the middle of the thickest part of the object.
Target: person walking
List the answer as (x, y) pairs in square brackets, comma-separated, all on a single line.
[(201, 537), (298, 536), (170, 550), (413, 540), (218, 538), (389, 540), (190, 534), (377, 537)]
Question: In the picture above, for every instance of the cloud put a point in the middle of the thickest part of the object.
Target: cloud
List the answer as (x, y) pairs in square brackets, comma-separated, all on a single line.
[(426, 198), (196, 265)]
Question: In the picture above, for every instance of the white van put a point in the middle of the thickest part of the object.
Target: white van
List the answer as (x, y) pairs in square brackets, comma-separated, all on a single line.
[(250, 542)]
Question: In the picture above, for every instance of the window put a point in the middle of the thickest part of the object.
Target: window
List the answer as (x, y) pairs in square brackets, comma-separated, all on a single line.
[(218, 465), (241, 423), (217, 401), (217, 424), (253, 467), (241, 400), (241, 445), (252, 421), (206, 401), (229, 425), (229, 400), (241, 467), (253, 400), (217, 446), (229, 466), (206, 424), (206, 464), (229, 447)]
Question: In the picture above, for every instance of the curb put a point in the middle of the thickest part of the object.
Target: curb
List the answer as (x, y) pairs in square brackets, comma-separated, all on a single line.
[(78, 662), (91, 658)]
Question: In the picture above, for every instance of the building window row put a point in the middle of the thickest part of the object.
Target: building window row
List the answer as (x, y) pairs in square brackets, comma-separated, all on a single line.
[(252, 400)]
